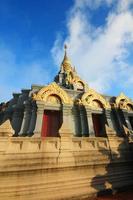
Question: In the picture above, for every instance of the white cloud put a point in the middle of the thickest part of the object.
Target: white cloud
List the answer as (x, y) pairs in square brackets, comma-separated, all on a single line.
[(93, 4), (124, 5), (98, 52)]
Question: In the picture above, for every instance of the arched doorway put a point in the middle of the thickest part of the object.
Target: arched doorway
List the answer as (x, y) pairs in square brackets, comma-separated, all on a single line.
[(52, 121), (52, 118), (99, 124), (98, 119)]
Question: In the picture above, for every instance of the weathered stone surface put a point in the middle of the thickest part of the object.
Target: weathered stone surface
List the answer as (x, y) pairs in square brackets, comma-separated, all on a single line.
[(63, 168), (6, 129)]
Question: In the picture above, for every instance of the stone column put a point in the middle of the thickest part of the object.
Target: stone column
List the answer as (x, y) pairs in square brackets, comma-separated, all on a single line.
[(65, 132), (9, 110), (73, 122), (39, 119), (77, 121), (66, 128), (125, 113), (119, 121), (17, 119), (26, 119), (90, 122), (32, 119), (108, 118), (84, 122), (109, 128)]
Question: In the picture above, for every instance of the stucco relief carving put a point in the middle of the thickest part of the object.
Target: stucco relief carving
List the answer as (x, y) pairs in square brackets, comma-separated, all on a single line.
[(52, 90), (6, 129), (94, 100), (124, 102), (77, 80), (52, 99), (78, 83)]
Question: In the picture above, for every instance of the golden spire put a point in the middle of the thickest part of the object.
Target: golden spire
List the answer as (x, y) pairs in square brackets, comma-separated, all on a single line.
[(66, 63), (65, 47), (65, 55)]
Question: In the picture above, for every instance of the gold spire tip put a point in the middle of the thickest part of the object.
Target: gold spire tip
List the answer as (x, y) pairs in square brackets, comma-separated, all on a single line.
[(65, 46)]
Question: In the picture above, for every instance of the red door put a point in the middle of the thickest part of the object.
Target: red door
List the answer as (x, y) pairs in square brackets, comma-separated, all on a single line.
[(97, 123), (51, 123)]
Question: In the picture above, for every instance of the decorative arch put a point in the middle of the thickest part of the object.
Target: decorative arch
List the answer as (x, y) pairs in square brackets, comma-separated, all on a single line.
[(94, 100), (129, 107), (77, 79), (123, 102), (97, 104), (54, 92), (78, 83), (53, 99)]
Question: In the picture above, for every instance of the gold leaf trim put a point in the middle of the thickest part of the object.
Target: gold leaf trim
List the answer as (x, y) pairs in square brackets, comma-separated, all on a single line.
[(123, 102), (52, 89), (89, 97)]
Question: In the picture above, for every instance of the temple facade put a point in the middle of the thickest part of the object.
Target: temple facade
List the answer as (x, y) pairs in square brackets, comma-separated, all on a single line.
[(65, 141), (67, 104)]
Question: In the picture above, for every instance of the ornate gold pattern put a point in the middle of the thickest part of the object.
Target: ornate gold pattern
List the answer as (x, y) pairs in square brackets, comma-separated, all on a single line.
[(52, 90), (123, 102), (66, 63), (52, 99), (78, 82), (94, 100), (71, 75)]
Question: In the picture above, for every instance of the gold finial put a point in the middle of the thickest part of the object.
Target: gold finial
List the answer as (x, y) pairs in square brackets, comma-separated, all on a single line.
[(65, 47)]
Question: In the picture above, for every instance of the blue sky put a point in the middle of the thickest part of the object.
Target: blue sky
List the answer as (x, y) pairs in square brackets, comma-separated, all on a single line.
[(99, 35)]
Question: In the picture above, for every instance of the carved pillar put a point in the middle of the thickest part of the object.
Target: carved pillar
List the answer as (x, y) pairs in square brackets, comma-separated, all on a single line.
[(84, 122), (119, 121), (109, 128), (73, 122), (66, 128), (90, 122), (39, 118), (108, 118), (9, 110), (17, 119), (125, 113), (77, 121), (32, 119), (65, 132), (26, 119)]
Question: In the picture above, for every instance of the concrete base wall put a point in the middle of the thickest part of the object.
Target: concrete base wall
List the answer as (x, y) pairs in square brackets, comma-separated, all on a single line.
[(63, 168)]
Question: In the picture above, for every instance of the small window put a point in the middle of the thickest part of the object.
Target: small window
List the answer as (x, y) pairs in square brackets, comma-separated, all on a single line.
[(80, 86)]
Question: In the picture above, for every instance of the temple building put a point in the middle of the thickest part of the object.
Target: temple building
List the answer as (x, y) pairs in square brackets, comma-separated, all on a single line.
[(68, 102), (65, 140)]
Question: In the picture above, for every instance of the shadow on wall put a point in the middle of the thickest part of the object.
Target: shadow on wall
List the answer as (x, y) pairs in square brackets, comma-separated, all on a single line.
[(119, 171)]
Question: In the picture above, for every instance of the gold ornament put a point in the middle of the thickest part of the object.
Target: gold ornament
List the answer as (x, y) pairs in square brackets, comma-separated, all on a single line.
[(94, 100), (66, 63), (123, 102), (54, 92)]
